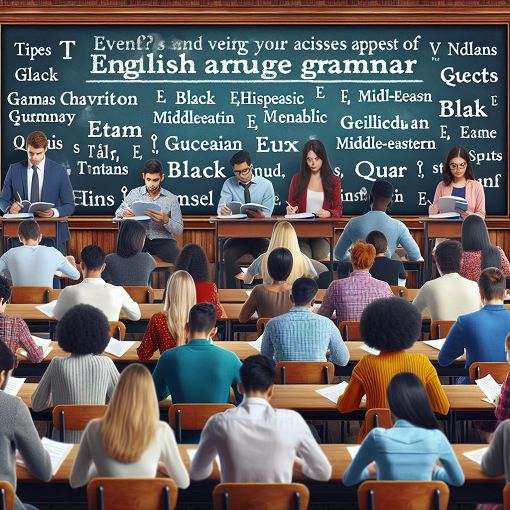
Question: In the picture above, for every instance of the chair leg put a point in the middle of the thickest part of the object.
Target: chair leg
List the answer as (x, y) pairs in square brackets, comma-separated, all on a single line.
[(3, 504), (297, 501), (166, 491), (371, 500), (100, 498), (226, 501)]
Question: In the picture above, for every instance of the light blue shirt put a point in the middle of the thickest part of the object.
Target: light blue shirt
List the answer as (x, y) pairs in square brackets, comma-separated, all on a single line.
[(261, 192), (405, 452), (301, 335), (395, 231)]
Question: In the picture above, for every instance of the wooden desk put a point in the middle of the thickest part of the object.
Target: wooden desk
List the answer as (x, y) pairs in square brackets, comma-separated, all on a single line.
[(478, 487)]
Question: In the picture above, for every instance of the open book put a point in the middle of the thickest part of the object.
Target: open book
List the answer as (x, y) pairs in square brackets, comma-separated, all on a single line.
[(300, 216), (140, 206), (29, 207), (239, 208)]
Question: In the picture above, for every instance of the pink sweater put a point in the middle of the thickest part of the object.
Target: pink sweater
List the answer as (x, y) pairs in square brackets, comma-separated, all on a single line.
[(475, 197)]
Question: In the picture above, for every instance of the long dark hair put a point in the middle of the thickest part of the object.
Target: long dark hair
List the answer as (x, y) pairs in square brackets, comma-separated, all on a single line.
[(305, 174), (193, 259), (131, 238), (457, 152), (474, 235), (491, 257), (408, 400)]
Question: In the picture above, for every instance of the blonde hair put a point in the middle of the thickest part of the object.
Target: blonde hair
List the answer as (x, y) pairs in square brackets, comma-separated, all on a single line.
[(284, 236), (132, 417), (181, 295)]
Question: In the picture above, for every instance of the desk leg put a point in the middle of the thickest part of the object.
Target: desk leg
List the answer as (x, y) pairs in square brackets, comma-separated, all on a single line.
[(452, 422), (331, 253)]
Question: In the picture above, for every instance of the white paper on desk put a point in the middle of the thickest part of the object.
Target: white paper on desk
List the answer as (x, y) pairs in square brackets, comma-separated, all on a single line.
[(244, 269), (437, 344), (48, 308), (45, 343), (489, 386), (489, 401), (371, 350), (249, 291), (476, 455), (257, 344), (57, 452), (117, 347), (353, 450), (192, 452), (14, 384), (333, 391), (239, 216)]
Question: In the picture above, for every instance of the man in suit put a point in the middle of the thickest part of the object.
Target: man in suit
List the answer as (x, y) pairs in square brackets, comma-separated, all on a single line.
[(39, 179)]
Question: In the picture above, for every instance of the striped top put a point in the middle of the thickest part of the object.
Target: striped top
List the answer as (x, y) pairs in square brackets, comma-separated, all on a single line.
[(77, 379), (372, 375)]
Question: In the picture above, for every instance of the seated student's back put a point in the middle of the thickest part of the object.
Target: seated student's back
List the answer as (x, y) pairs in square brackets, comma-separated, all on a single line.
[(385, 269)]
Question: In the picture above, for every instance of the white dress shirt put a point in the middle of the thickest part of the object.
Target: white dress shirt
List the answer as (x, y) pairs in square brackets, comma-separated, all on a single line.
[(111, 300), (257, 443), (40, 173)]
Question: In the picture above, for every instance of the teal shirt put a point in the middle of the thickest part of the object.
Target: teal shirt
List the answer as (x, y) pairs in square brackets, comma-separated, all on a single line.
[(198, 372)]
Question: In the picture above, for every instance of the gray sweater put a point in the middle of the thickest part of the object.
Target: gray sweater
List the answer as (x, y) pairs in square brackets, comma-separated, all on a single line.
[(496, 460), (135, 270), (17, 432)]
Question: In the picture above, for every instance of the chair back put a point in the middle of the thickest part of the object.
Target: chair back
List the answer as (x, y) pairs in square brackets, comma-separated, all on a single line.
[(140, 294), (400, 291), (506, 497), (6, 496), (30, 295), (350, 330), (378, 417), (498, 369), (131, 494), (304, 372), (192, 416), (261, 325), (402, 495), (117, 330), (260, 496), (75, 416), (440, 329)]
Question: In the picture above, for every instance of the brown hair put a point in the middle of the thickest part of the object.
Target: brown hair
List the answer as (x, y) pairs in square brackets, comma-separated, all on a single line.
[(362, 255), (37, 139), (492, 283)]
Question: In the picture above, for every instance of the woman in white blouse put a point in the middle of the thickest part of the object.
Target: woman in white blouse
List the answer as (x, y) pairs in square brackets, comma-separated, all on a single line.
[(130, 441)]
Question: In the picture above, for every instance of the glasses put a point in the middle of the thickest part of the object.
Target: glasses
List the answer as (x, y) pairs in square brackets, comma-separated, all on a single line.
[(454, 166), (243, 171)]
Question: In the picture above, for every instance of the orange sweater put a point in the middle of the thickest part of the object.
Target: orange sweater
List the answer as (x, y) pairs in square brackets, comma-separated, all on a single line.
[(372, 375)]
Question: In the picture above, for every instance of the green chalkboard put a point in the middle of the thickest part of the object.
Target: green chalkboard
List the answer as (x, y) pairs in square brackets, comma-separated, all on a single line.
[(387, 101)]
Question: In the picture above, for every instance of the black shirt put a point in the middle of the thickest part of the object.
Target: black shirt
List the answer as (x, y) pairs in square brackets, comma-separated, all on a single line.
[(388, 270)]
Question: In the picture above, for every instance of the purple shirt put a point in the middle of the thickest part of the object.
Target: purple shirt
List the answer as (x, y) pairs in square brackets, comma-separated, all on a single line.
[(349, 296)]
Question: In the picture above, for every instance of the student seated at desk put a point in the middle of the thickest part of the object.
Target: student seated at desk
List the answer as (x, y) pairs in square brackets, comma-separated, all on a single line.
[(84, 377), (502, 401), (390, 325), (167, 329), (18, 433), (481, 334), (14, 331), (384, 269), (129, 265), (271, 300), (33, 264), (450, 295), (193, 259), (409, 450), (349, 296), (130, 440), (300, 334), (95, 291), (255, 442)]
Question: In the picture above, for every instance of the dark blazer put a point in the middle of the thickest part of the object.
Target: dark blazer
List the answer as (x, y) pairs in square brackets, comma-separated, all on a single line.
[(56, 189)]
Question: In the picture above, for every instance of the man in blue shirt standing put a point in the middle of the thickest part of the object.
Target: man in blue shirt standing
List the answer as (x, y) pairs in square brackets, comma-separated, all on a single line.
[(246, 188)]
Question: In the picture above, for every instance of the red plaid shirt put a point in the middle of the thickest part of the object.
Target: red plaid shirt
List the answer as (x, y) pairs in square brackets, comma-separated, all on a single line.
[(503, 410), (15, 334)]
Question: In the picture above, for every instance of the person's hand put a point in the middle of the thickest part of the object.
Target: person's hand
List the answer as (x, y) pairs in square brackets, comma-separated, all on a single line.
[(15, 208), (47, 213), (372, 470), (297, 467), (71, 260), (322, 213), (158, 216), (292, 210), (162, 469), (255, 214), (127, 213), (225, 211)]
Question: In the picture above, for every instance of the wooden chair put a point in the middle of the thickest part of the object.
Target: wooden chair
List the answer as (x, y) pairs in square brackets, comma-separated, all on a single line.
[(261, 325), (117, 330), (260, 496), (506, 497), (75, 416), (31, 295), (350, 330), (378, 417), (440, 329), (304, 372), (161, 267), (192, 416), (498, 370), (6, 496), (140, 294), (131, 494), (402, 495), (400, 291)]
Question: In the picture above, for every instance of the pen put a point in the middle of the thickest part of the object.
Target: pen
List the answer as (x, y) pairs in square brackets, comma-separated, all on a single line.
[(19, 196)]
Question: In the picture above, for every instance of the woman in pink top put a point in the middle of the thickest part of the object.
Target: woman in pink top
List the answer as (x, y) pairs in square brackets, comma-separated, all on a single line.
[(459, 180)]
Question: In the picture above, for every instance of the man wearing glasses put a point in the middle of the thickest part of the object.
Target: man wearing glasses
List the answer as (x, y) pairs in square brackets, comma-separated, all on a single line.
[(244, 187)]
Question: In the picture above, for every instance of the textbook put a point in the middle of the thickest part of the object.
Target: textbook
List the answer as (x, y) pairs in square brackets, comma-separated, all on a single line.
[(29, 207), (451, 204), (139, 207), (300, 216), (239, 208)]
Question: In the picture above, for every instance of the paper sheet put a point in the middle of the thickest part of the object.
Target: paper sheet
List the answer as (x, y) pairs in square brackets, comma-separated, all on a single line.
[(476, 455), (45, 343), (489, 386), (353, 450), (57, 452), (244, 269), (118, 348), (332, 392), (48, 308), (437, 344), (371, 350), (14, 384), (193, 451), (248, 292), (257, 344)]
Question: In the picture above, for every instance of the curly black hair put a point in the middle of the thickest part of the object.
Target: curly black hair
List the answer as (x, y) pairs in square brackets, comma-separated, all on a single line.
[(194, 260), (390, 324), (84, 329), (5, 289)]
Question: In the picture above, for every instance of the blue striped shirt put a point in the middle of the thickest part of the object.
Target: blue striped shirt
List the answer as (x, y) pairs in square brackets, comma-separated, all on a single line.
[(301, 335)]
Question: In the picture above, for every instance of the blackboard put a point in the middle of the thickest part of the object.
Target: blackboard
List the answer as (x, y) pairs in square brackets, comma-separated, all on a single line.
[(387, 101)]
